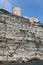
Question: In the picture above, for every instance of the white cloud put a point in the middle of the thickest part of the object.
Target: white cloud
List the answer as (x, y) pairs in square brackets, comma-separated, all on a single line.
[(6, 4)]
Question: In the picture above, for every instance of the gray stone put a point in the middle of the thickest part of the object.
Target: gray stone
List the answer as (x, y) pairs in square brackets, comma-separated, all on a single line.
[(22, 36)]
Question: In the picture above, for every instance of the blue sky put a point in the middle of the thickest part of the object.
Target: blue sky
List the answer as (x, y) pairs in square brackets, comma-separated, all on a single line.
[(28, 7)]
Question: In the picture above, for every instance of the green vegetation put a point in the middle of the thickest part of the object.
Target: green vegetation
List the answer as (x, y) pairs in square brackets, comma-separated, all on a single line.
[(4, 11)]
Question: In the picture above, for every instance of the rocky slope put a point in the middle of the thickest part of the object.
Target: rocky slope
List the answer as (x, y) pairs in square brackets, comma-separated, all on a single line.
[(21, 38)]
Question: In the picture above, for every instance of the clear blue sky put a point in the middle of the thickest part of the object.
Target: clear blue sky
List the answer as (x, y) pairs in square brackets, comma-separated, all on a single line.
[(28, 7)]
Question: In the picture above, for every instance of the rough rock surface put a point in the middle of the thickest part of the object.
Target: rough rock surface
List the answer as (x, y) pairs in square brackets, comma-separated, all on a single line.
[(20, 38)]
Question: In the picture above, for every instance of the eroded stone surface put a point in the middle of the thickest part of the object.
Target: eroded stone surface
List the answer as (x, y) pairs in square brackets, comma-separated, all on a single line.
[(20, 38)]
